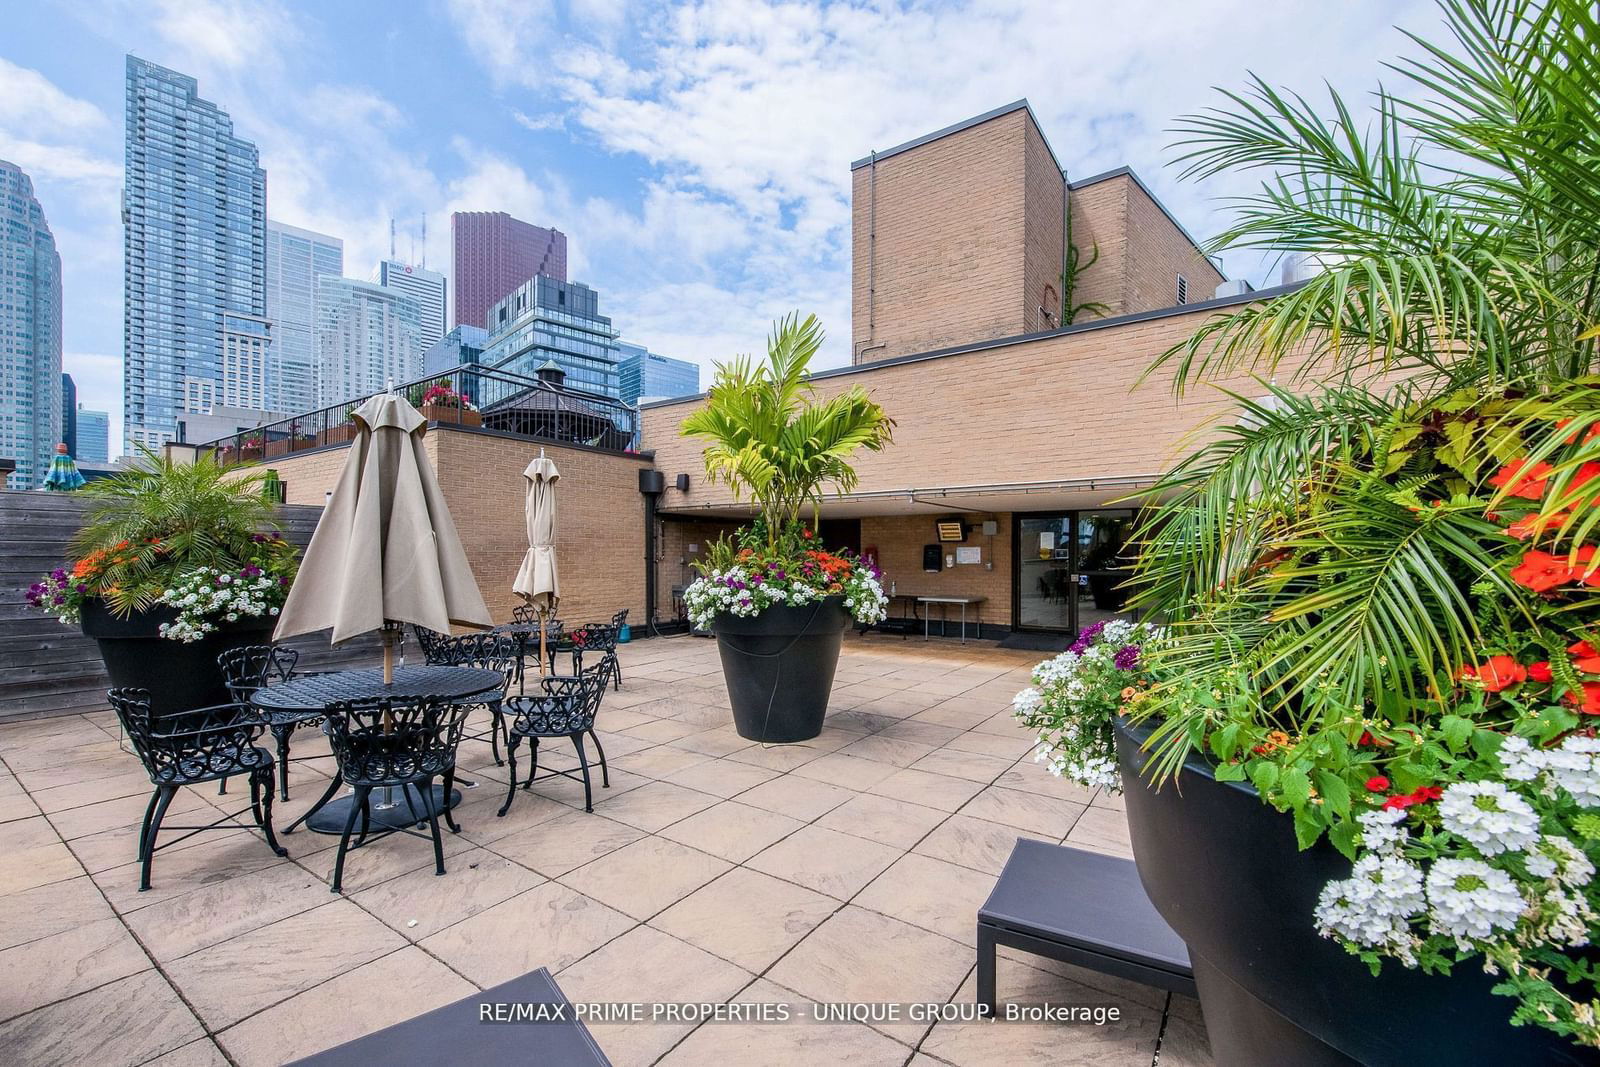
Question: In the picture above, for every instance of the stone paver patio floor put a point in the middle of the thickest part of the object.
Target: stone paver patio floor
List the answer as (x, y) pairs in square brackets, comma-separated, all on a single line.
[(849, 868)]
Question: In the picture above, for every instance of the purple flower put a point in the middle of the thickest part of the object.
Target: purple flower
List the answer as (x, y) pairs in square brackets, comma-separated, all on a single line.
[(780, 576), (82, 587), (1086, 638), (1127, 658), (59, 575)]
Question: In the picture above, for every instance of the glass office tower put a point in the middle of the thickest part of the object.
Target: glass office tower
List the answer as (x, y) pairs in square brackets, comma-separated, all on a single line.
[(545, 319), (296, 258), (368, 338), (30, 331), (194, 217), (642, 373), (425, 286)]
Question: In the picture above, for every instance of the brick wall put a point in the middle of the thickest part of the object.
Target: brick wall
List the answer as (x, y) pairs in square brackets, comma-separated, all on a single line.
[(1058, 407), (1100, 225), (948, 257), (1157, 253), (600, 528), (900, 539), (1043, 241)]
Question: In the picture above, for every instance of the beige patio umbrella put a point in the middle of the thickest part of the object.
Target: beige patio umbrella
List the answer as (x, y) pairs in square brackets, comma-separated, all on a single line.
[(536, 580), (386, 551)]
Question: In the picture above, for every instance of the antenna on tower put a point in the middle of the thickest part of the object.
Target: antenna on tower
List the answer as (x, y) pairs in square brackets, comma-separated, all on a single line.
[(391, 236), (424, 240)]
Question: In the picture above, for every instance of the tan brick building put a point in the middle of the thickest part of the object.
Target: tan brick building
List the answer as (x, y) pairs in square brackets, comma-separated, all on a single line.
[(1031, 433)]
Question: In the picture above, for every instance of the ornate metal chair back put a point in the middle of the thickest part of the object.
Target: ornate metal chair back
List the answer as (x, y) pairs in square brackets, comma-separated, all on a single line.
[(254, 667), (382, 742), (197, 745)]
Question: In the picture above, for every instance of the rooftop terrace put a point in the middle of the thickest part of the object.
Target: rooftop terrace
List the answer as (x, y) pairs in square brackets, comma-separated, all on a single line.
[(848, 868)]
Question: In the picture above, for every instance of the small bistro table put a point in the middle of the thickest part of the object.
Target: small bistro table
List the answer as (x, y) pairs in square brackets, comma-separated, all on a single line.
[(315, 692), (976, 602), (526, 633)]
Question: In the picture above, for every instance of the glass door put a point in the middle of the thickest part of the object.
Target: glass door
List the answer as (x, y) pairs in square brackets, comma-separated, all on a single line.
[(1068, 567)]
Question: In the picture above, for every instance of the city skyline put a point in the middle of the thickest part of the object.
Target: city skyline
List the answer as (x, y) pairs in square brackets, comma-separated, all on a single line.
[(697, 156), (30, 331)]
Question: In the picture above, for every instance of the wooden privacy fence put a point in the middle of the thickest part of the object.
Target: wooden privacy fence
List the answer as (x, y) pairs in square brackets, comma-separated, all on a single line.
[(50, 669)]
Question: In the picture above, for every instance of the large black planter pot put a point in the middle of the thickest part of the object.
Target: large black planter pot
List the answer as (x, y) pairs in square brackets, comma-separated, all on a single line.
[(1224, 870), (180, 676), (779, 668)]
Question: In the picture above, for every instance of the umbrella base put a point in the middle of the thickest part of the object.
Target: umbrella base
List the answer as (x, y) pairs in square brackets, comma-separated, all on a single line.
[(387, 807)]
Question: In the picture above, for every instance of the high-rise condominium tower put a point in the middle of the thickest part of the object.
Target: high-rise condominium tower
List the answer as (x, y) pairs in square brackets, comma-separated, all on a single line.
[(194, 210), (30, 331), (424, 286), (296, 258), (368, 338), (494, 254)]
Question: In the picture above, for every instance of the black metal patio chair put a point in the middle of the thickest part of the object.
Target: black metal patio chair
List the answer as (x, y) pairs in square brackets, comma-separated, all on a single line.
[(566, 708), (405, 746), (193, 748), (591, 637), (254, 667), (490, 651)]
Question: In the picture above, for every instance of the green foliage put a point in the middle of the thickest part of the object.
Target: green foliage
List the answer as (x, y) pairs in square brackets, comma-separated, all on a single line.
[(768, 438), (159, 517)]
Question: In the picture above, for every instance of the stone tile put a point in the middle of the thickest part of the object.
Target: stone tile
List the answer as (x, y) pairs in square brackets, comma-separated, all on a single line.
[(921, 731), (859, 955), (719, 742), (654, 805), (1128, 1041), (1009, 748), (648, 965), (928, 789), (41, 865), (548, 926), (778, 757), (50, 909), (722, 777), (175, 872), (825, 860), (562, 844), (860, 720), (127, 813), (481, 823), (973, 766), (134, 1020), (660, 762), (1184, 1042), (17, 805), (1102, 830), (968, 842), (958, 713), (214, 913), (888, 821), (931, 893), (798, 798), (660, 730), (1033, 812), (295, 954), (381, 858), (786, 1043), (202, 1053), (746, 917), (132, 781), (643, 878), (842, 769), (732, 830), (33, 832), (386, 991), (1031, 777), (893, 751), (421, 903), (62, 965)]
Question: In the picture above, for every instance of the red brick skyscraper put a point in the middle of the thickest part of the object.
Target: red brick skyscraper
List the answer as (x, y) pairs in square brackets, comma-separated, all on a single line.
[(495, 253)]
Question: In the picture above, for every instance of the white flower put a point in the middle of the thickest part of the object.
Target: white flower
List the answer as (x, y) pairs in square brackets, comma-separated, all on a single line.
[(1469, 899), (1518, 759), (1381, 830), (1372, 907), (1559, 858), (1490, 816), (1027, 700)]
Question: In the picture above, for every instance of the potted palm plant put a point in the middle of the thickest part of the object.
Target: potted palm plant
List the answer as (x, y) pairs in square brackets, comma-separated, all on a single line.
[(174, 564), (776, 599), (1361, 758)]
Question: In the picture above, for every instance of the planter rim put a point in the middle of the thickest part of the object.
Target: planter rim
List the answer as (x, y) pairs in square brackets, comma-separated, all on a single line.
[(1197, 761)]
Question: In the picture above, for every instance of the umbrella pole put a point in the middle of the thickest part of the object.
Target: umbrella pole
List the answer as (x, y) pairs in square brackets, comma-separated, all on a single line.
[(388, 656), (542, 624)]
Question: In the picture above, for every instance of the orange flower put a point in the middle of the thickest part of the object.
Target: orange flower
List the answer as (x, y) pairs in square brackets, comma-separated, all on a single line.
[(1572, 438), (1590, 705), (1584, 657), (1518, 478), (1501, 672), (1534, 525)]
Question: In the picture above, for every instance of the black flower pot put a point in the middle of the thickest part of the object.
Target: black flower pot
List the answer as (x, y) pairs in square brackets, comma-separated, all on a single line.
[(779, 667), (180, 676), (1224, 870)]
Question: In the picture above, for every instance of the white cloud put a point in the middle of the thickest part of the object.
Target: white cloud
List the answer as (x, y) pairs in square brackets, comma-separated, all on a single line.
[(214, 35), (537, 123), (31, 103)]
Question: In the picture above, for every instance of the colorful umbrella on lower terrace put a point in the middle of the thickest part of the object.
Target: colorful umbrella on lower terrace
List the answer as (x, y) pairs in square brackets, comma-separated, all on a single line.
[(64, 475)]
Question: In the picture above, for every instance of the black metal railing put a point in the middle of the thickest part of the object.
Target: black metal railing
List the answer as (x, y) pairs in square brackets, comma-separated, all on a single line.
[(468, 395)]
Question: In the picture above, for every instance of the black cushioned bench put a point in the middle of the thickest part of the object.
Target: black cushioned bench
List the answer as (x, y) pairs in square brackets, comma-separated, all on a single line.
[(453, 1034), (1082, 908)]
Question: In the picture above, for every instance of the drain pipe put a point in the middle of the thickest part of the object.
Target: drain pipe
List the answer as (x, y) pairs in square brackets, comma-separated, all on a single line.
[(652, 483)]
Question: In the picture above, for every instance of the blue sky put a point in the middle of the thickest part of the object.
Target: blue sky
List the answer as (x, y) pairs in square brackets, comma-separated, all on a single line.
[(697, 155)]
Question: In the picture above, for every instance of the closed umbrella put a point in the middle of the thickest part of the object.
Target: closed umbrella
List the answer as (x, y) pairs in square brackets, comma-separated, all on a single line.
[(386, 551), (63, 475), (536, 581)]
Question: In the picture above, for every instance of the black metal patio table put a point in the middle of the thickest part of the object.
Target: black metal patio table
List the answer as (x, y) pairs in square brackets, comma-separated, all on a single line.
[(525, 632), (311, 692)]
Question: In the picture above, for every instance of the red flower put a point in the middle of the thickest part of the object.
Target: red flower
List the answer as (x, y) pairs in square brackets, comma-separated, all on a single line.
[(1541, 572), (1572, 438), (1540, 672), (1366, 738), (1501, 672), (1591, 699), (1523, 479), (1584, 657), (1426, 794), (1588, 574), (1533, 525), (1377, 783)]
